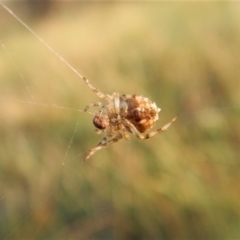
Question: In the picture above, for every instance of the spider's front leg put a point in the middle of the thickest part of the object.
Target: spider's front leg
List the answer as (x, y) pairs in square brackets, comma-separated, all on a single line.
[(93, 104), (95, 90), (103, 144)]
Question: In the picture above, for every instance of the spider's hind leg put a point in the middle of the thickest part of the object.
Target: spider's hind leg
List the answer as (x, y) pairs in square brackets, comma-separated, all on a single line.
[(165, 127), (134, 131)]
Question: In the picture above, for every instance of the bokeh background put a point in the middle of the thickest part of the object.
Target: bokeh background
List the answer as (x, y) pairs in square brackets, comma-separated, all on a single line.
[(182, 184)]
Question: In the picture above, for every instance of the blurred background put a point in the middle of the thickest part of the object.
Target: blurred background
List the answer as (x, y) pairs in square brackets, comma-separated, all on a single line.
[(182, 184)]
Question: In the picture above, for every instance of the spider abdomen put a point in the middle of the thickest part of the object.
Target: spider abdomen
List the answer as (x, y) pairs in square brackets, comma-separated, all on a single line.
[(142, 112)]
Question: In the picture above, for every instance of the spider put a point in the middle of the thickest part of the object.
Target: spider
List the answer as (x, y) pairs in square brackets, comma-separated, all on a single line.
[(121, 115)]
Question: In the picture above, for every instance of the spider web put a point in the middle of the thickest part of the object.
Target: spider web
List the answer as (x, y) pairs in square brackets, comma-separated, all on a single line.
[(29, 92), (34, 103), (31, 100)]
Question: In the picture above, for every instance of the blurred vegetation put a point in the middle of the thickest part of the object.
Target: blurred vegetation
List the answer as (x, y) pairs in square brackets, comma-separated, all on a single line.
[(182, 184)]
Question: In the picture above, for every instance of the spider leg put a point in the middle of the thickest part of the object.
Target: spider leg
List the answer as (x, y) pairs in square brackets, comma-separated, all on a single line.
[(133, 129), (103, 144), (98, 131), (125, 134), (93, 104), (95, 90), (165, 127)]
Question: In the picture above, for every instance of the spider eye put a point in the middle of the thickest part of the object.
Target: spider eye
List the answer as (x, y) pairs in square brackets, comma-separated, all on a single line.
[(101, 121)]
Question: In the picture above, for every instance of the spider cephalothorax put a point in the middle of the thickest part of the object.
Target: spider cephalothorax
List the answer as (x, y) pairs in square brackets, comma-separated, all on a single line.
[(121, 115)]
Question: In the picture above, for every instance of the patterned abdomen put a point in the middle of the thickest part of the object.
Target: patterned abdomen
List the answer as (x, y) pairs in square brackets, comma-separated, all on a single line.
[(142, 112)]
